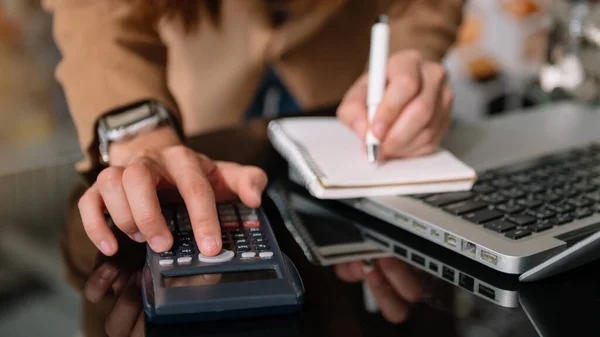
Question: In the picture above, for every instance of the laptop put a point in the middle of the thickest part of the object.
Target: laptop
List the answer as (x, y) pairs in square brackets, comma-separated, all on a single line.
[(534, 209), (493, 286)]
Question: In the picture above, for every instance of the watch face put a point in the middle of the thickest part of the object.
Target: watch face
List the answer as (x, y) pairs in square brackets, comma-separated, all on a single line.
[(128, 117)]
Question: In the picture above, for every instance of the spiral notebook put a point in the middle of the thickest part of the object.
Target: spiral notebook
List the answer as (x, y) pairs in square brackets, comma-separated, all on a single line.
[(329, 162)]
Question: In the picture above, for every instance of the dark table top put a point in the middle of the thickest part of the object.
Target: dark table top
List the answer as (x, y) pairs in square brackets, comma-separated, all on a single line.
[(565, 305)]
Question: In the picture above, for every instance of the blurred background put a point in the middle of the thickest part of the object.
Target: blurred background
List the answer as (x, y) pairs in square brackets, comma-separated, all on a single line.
[(510, 54)]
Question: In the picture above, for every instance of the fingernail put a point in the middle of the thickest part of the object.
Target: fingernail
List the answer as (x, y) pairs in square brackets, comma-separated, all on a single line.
[(359, 128), (367, 268), (379, 129), (106, 247), (107, 273), (209, 244), (159, 243), (139, 237)]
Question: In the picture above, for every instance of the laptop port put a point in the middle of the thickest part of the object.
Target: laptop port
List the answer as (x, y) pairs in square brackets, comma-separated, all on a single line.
[(489, 257), (418, 259), (435, 234), (433, 267), (468, 247), (486, 291), (401, 218), (419, 227), (448, 274), (400, 251), (450, 240), (466, 282)]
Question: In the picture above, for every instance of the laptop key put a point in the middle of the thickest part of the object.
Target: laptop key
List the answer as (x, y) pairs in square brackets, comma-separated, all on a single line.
[(580, 202), (483, 216), (581, 213), (502, 182), (542, 213), (529, 203), (494, 198), (521, 219), (510, 208), (563, 219), (483, 188), (512, 193), (542, 225), (595, 196), (499, 226), (518, 234), (560, 207), (444, 199), (465, 206)]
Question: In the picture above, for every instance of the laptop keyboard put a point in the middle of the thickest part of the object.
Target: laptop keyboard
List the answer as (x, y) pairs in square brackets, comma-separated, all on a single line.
[(532, 197)]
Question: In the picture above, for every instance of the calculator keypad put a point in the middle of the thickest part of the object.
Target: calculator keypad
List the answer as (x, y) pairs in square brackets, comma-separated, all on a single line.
[(241, 236)]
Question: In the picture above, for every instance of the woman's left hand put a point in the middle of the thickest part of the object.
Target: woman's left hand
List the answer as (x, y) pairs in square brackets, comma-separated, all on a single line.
[(415, 112)]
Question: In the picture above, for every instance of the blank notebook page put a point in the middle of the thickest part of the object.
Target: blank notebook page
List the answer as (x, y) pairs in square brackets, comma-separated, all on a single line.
[(337, 152)]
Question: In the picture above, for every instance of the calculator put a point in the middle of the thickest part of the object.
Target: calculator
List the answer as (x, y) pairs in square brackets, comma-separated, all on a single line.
[(249, 277)]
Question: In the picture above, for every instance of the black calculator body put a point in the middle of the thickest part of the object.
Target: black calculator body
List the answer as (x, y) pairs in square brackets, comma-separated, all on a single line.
[(250, 277)]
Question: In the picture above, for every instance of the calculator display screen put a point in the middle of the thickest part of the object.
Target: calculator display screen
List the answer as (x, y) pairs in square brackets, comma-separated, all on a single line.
[(230, 277)]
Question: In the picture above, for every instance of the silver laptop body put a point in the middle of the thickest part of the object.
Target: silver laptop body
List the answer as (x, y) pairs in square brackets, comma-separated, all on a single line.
[(488, 145)]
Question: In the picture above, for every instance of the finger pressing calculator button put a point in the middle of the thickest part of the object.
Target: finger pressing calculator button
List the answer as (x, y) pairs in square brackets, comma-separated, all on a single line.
[(252, 224), (247, 255), (265, 255), (250, 217), (224, 256), (165, 262), (184, 260)]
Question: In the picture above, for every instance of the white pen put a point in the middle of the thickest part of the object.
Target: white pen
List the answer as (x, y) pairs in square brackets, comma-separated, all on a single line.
[(380, 40)]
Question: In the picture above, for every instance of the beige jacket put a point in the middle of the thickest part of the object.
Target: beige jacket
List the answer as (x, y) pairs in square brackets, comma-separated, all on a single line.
[(209, 76)]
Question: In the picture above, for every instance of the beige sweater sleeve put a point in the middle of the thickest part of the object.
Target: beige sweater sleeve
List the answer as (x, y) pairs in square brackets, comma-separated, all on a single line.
[(109, 59), (429, 26)]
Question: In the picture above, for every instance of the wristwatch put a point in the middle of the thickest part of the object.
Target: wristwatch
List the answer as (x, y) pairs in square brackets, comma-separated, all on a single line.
[(129, 121)]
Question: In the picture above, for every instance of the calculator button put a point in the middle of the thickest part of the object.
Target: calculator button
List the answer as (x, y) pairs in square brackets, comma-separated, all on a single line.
[(242, 247), (250, 217), (239, 235), (166, 254), (241, 241), (262, 247), (257, 235), (265, 255), (166, 262), (185, 239), (246, 255), (184, 260), (259, 240), (224, 256), (229, 224), (252, 224), (228, 218), (254, 229)]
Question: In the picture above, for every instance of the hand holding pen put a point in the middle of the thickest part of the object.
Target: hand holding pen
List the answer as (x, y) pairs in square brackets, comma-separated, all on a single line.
[(403, 106)]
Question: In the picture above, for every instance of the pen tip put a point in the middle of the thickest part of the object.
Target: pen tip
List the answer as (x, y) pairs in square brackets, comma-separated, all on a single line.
[(372, 152), (382, 18)]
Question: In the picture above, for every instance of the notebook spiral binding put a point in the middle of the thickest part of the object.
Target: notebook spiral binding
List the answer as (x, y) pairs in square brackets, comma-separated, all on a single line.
[(295, 154)]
